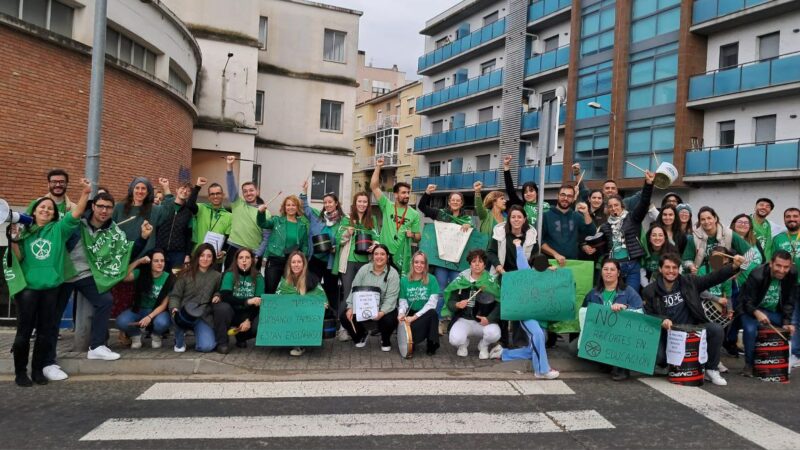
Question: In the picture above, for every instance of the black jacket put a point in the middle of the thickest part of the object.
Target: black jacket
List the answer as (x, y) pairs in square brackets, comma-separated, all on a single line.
[(690, 288), (175, 235), (632, 225), (755, 287)]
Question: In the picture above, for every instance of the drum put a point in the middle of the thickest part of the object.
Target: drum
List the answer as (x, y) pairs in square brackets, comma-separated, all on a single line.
[(596, 241), (188, 315), (690, 372), (321, 243), (329, 328), (716, 313), (366, 302), (405, 340), (363, 242), (772, 356)]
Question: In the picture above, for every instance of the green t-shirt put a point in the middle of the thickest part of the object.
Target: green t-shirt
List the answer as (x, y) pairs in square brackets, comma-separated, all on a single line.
[(147, 300), (417, 294), (772, 297), (292, 235), (791, 244), (246, 288), (395, 223), (618, 249), (763, 232), (608, 297), (44, 253), (210, 219), (352, 256), (532, 211), (245, 231)]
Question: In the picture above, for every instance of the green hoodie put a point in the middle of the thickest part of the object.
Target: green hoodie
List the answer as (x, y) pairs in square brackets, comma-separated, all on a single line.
[(44, 253)]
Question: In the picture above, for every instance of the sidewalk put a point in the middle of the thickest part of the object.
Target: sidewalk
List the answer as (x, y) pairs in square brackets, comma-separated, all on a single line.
[(332, 356)]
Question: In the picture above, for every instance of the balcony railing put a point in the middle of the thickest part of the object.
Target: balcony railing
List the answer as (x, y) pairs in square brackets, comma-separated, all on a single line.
[(745, 77), (368, 162), (542, 8), (462, 45), (456, 181), (491, 80), (530, 120), (704, 10), (471, 133), (552, 173), (382, 124), (744, 158), (549, 60)]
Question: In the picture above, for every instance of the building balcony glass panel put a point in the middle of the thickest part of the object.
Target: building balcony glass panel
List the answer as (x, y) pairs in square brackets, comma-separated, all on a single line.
[(456, 181), (457, 136), (744, 158), (704, 10), (552, 174), (542, 8), (485, 82), (745, 77), (530, 120), (546, 61), (462, 45)]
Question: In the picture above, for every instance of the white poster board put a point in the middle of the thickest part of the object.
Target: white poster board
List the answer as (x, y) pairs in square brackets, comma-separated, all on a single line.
[(216, 240), (676, 347), (451, 240), (365, 305)]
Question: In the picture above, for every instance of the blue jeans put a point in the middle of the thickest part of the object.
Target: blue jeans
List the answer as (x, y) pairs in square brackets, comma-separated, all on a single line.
[(630, 273), (203, 335), (750, 327), (535, 351), (443, 277), (160, 323), (101, 303), (796, 337)]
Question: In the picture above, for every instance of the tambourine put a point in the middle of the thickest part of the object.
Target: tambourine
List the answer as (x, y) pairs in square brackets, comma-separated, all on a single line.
[(405, 340)]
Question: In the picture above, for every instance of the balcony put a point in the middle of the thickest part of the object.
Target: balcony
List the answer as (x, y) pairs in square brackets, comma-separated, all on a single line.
[(382, 123), (542, 12), (530, 120), (750, 81), (456, 181), (390, 160), (754, 161), (547, 63), (552, 174), (476, 133), (710, 16), (472, 88), (467, 46)]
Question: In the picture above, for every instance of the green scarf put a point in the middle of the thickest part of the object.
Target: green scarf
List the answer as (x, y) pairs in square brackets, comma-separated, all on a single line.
[(487, 282), (446, 216), (532, 211), (286, 288), (108, 253), (15, 278)]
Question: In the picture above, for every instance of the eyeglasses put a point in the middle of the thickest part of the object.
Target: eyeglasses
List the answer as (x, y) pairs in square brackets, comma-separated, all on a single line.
[(563, 195), (104, 207), (214, 194), (743, 222), (58, 183)]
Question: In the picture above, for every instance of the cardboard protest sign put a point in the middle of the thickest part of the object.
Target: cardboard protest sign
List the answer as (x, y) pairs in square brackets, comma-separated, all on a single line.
[(582, 272), (429, 246), (291, 320), (624, 339), (529, 294), (451, 240)]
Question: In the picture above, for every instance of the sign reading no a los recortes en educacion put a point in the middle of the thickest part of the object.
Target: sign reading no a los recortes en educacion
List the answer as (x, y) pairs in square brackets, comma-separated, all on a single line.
[(624, 339), (291, 320), (529, 294)]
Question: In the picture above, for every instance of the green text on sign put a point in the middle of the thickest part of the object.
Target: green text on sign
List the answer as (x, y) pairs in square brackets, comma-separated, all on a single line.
[(291, 320), (428, 245), (624, 339), (529, 294)]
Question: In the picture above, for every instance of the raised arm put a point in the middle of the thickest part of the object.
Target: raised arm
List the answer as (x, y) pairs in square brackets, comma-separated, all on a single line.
[(513, 197), (230, 179), (424, 203), (375, 181), (479, 208), (80, 207)]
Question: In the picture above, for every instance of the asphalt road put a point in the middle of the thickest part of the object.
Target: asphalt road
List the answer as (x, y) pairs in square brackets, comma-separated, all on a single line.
[(572, 413)]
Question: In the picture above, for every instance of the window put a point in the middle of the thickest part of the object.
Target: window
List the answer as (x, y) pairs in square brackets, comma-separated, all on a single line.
[(359, 122), (177, 81), (653, 18), (648, 143), (380, 87), (256, 175), (437, 126), (769, 46), (551, 43), (591, 150), (488, 66), (324, 183), (442, 42), (334, 46), (330, 118), (438, 85), (727, 133), (410, 143), (485, 114), (728, 55), (263, 27), (765, 128), (594, 85), (387, 141), (597, 27), (653, 76), (434, 169), (129, 51), (49, 14), (411, 104), (547, 96), (491, 18), (259, 116), (482, 162)]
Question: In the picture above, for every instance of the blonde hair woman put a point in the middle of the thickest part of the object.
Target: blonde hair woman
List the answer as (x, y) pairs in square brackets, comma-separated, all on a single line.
[(297, 280), (419, 295)]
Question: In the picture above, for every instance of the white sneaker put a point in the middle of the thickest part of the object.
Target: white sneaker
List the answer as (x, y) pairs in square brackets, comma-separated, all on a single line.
[(496, 352), (102, 352), (483, 353), (386, 348), (297, 351), (156, 342), (53, 372), (715, 378), (552, 375), (722, 369), (462, 351), (362, 343), (136, 341), (794, 361), (177, 349), (342, 335)]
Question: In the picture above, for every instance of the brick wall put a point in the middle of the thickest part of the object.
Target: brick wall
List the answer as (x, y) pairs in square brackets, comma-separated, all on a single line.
[(44, 101)]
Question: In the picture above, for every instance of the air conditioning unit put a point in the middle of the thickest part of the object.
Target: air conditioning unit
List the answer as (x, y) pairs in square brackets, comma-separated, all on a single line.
[(534, 101), (537, 47)]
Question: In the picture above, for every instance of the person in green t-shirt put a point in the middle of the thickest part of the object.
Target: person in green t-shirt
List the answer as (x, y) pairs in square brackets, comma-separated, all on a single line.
[(762, 227), (57, 182), (530, 194), (400, 224), (297, 279), (656, 244), (710, 235), (490, 210), (41, 252), (237, 312), (789, 240), (245, 232), (149, 309), (211, 216), (419, 296), (289, 232)]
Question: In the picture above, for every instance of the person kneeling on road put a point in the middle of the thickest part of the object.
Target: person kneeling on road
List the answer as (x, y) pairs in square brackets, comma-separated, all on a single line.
[(191, 298), (153, 283)]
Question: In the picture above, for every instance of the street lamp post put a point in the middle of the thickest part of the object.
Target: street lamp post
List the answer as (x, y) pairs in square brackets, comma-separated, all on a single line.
[(611, 135)]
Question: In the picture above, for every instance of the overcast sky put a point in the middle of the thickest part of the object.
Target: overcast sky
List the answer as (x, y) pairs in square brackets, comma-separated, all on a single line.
[(389, 29)]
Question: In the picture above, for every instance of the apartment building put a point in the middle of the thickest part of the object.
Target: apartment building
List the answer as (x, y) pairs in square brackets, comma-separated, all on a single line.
[(376, 81)]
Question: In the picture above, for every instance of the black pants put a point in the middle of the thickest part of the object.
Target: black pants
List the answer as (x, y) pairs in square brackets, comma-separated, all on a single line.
[(387, 325), (226, 317), (64, 293), (426, 328), (275, 268), (330, 281), (35, 309), (714, 335)]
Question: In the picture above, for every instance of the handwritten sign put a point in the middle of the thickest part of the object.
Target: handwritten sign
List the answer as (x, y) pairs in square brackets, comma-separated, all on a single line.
[(291, 320), (451, 240), (676, 347), (366, 305), (582, 272), (624, 339), (429, 245), (529, 294)]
